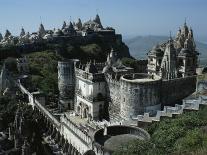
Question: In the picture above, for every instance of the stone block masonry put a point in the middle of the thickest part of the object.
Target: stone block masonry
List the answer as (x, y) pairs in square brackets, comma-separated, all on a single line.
[(174, 90)]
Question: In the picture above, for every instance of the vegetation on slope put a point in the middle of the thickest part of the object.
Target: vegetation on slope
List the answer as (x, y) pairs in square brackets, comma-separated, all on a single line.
[(7, 107), (95, 50), (43, 64), (183, 134), (32, 129), (43, 70)]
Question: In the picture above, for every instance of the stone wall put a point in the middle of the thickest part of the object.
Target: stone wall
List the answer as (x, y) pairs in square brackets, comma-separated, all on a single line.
[(114, 95), (173, 91), (75, 136), (139, 94)]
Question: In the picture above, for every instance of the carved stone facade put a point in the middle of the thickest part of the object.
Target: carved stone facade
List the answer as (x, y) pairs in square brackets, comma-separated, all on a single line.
[(90, 92), (174, 58)]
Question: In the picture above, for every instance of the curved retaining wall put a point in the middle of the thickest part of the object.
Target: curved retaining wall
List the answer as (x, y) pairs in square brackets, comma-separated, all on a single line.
[(140, 93), (99, 138)]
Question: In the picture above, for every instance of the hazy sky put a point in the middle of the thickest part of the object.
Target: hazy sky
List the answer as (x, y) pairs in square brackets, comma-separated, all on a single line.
[(129, 17)]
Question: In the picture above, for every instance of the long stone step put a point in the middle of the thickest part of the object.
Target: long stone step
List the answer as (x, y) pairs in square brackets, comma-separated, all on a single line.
[(169, 111)]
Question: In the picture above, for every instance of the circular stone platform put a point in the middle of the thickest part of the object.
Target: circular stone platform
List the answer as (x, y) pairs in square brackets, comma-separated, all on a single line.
[(118, 136), (115, 142)]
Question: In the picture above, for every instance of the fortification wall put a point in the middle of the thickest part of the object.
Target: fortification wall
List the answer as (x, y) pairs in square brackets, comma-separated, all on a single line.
[(173, 91), (75, 136), (139, 93), (114, 95)]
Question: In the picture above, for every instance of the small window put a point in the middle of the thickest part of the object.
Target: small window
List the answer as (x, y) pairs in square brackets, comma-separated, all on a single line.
[(99, 86), (124, 99)]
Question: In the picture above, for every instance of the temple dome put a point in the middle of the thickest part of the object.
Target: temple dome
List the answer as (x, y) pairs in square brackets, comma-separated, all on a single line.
[(58, 32)]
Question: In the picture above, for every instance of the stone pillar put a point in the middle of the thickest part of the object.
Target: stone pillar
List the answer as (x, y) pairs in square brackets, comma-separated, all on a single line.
[(53, 132), (49, 129), (65, 147), (26, 148), (57, 137), (70, 148), (10, 134), (66, 83)]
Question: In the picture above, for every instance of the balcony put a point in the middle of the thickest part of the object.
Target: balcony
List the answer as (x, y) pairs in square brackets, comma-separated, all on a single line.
[(90, 98)]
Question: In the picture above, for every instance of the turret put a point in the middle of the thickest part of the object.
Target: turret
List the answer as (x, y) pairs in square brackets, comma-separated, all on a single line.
[(178, 33), (27, 35), (91, 68), (64, 25), (41, 31), (98, 20), (69, 30), (189, 45), (7, 34), (22, 32), (112, 58), (1, 37), (190, 34), (79, 24), (71, 26), (26, 150), (185, 30), (168, 65), (66, 83)]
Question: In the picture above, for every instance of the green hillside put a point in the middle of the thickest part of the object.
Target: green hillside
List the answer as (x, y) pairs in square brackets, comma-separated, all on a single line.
[(184, 134)]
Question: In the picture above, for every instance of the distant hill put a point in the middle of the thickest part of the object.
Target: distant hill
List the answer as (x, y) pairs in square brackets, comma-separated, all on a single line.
[(140, 45)]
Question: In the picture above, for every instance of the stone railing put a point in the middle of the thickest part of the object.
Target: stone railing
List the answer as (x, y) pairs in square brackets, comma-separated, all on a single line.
[(47, 113), (76, 130), (39, 106), (89, 76), (188, 104), (90, 98)]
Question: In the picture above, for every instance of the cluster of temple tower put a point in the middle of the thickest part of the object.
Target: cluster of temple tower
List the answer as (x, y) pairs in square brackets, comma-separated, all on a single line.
[(78, 28), (175, 58)]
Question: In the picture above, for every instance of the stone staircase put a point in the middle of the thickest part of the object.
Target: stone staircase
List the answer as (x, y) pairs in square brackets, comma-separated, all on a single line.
[(190, 103)]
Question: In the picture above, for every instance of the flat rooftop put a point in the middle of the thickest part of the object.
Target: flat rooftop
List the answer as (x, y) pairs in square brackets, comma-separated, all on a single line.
[(140, 77), (116, 142)]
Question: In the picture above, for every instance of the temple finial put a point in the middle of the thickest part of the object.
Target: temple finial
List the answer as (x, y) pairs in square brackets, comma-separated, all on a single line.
[(185, 21), (170, 39), (40, 19), (97, 11), (170, 35)]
